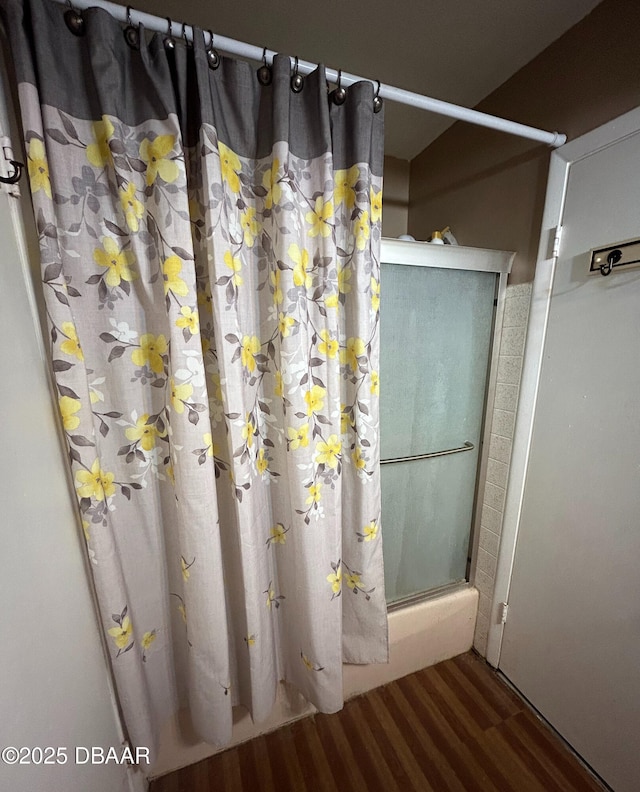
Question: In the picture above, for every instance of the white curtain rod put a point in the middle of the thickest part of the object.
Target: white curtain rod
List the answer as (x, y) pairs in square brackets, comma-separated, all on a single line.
[(251, 52)]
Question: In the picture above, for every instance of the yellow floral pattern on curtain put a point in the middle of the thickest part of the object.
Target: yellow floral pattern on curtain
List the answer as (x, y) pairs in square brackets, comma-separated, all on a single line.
[(213, 326)]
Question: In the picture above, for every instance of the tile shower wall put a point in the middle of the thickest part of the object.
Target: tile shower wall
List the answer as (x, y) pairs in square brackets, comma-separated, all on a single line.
[(516, 315)]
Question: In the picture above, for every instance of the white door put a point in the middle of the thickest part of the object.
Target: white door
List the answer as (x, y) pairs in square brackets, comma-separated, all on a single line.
[(571, 643)]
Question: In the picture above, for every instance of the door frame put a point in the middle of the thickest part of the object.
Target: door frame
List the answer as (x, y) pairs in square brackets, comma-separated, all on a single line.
[(548, 252)]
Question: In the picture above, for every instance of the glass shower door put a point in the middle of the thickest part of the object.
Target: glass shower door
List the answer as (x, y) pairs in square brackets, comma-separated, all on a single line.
[(436, 334)]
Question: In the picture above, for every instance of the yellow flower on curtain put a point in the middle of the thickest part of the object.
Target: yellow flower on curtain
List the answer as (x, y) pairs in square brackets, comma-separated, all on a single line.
[(235, 265), (314, 399), (344, 276), (332, 301), (38, 168), (375, 383), (250, 226), (171, 270), (230, 167), (274, 277), (248, 431), (376, 205), (179, 395), (301, 260), (95, 483), (154, 153), (184, 566), (143, 432), (131, 206), (68, 409), (212, 448), (278, 534), (262, 463), (354, 349), (147, 639), (335, 579), (99, 153), (353, 581), (329, 453), (370, 531), (328, 346), (279, 386), (71, 346), (285, 323), (314, 493), (358, 461), (298, 438), (117, 262), (344, 186), (319, 218), (152, 348), (249, 348), (122, 633), (272, 186), (345, 418), (375, 294), (362, 230), (250, 640), (188, 319)]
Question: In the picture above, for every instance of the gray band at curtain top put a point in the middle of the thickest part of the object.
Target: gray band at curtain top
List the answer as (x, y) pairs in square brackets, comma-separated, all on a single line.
[(98, 74)]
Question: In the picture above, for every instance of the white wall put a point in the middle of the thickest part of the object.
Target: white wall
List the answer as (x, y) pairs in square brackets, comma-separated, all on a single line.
[(54, 688)]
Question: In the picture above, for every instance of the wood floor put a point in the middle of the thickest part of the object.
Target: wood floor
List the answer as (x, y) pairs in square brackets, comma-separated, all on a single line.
[(455, 727)]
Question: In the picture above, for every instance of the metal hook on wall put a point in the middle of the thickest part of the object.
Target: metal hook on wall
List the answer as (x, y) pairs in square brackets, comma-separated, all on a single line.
[(14, 177)]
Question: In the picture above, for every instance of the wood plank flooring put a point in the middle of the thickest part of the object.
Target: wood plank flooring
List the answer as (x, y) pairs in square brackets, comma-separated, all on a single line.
[(454, 727)]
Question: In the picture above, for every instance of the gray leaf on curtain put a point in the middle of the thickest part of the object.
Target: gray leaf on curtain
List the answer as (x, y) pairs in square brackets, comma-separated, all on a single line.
[(210, 265)]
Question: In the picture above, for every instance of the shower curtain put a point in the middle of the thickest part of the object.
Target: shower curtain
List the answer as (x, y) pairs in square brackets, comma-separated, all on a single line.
[(210, 268)]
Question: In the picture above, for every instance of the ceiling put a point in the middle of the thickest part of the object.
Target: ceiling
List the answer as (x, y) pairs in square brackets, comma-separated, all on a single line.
[(456, 50)]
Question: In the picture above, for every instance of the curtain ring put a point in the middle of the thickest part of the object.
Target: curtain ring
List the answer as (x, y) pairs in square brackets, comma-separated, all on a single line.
[(131, 33), (340, 94), (297, 80), (213, 57), (187, 43), (169, 41), (74, 20), (377, 101), (264, 72)]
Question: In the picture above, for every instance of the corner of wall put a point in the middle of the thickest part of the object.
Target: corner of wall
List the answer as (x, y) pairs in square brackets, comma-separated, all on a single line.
[(503, 413)]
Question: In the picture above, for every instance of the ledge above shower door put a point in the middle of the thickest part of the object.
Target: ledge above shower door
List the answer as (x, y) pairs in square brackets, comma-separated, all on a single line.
[(441, 319)]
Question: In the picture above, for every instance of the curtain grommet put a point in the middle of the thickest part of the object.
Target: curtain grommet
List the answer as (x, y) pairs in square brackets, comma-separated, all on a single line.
[(339, 96), (213, 56), (74, 21), (264, 72), (297, 80), (131, 32), (377, 101), (169, 41)]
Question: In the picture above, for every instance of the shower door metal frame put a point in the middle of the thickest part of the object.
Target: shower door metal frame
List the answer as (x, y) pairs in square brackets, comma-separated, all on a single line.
[(499, 262)]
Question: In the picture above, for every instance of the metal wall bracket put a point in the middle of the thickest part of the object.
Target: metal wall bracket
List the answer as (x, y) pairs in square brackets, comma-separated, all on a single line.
[(10, 170), (624, 255)]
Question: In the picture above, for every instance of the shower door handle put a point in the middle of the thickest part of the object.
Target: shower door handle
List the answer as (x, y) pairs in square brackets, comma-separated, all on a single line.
[(466, 447)]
